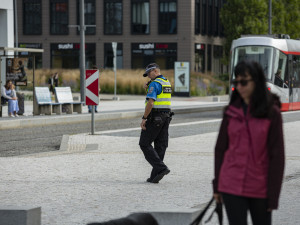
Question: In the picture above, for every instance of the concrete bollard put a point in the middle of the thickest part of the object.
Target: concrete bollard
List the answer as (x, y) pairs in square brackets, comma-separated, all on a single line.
[(216, 99), (10, 215), (176, 217)]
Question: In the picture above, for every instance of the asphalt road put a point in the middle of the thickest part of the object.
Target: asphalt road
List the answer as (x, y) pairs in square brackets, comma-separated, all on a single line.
[(48, 138)]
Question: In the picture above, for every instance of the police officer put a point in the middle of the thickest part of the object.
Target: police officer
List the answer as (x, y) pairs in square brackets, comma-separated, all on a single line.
[(155, 122)]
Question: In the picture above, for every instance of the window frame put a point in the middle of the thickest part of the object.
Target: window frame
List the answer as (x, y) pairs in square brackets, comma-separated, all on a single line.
[(160, 19), (104, 16), (35, 25), (51, 16), (85, 15), (203, 23), (197, 17), (131, 15), (216, 22)]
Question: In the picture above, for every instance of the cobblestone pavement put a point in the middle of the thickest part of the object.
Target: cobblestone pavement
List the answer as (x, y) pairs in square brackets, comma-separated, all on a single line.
[(101, 177)]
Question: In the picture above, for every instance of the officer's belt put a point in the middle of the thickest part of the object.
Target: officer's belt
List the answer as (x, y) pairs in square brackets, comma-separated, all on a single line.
[(161, 110)]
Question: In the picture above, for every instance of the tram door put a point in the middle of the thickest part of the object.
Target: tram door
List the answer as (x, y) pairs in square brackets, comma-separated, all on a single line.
[(294, 77)]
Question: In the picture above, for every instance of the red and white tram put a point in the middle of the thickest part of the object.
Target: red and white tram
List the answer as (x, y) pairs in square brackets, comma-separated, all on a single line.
[(280, 59)]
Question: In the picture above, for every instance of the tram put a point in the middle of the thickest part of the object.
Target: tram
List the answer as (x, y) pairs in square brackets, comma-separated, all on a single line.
[(280, 58)]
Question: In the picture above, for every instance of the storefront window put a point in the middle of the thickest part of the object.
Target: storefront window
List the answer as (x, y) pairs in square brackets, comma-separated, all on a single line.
[(109, 56), (199, 58), (167, 17), (89, 16), (59, 17), (208, 57), (67, 55), (113, 16), (32, 17), (140, 17), (217, 56), (164, 54)]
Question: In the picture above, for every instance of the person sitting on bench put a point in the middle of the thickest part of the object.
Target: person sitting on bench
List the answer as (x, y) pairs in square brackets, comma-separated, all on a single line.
[(9, 93)]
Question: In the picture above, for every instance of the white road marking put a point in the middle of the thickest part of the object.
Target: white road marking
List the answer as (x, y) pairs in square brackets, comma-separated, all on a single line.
[(171, 125)]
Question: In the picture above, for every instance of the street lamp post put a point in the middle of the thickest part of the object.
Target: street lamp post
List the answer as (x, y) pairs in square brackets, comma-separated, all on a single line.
[(270, 16), (82, 27), (114, 47), (82, 52)]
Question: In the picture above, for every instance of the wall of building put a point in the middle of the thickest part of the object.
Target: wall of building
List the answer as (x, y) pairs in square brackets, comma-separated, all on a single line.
[(7, 30)]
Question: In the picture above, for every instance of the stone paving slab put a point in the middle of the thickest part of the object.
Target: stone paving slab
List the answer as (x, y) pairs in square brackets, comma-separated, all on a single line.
[(81, 185)]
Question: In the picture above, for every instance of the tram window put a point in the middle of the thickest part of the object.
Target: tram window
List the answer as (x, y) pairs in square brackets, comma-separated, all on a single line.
[(260, 54), (280, 72)]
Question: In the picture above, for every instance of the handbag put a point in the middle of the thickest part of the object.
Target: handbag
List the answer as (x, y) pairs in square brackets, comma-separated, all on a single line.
[(217, 210)]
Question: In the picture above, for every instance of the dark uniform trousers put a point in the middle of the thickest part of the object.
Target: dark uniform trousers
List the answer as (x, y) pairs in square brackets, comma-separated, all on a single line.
[(157, 127)]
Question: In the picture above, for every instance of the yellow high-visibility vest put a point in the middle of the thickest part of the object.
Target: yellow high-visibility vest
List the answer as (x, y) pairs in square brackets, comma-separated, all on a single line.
[(163, 100)]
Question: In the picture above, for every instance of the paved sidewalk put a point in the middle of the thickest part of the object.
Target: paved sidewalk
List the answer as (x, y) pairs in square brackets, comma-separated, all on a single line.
[(101, 177)]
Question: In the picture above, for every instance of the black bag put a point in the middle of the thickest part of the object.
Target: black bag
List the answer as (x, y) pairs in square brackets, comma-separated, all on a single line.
[(132, 219), (218, 210), (3, 100), (21, 99)]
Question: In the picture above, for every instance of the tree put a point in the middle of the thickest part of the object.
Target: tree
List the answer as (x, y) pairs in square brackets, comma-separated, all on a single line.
[(292, 18), (251, 17), (243, 17)]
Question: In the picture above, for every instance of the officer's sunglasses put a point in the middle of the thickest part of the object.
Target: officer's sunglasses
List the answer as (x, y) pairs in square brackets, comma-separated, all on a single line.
[(242, 82)]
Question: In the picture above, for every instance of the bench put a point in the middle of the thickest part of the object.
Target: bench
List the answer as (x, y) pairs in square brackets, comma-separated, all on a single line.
[(43, 103), (63, 95)]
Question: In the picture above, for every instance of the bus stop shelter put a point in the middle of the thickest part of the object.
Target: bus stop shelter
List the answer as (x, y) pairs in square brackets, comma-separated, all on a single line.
[(8, 52)]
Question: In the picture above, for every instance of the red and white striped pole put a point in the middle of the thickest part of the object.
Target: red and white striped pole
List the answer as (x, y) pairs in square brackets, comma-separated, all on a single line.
[(92, 92)]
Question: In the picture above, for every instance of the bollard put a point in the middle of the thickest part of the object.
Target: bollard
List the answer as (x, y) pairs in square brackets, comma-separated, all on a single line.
[(16, 215), (176, 217)]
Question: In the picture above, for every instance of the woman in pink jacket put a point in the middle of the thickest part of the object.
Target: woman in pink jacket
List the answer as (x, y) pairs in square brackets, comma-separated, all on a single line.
[(249, 153)]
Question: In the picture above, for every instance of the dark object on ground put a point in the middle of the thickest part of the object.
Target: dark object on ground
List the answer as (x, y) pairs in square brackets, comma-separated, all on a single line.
[(21, 98), (132, 219)]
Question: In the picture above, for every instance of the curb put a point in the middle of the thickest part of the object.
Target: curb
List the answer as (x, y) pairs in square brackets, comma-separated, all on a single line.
[(66, 119)]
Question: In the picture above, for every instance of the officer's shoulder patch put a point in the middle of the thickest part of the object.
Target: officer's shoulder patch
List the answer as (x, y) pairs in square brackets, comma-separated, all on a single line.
[(150, 90)]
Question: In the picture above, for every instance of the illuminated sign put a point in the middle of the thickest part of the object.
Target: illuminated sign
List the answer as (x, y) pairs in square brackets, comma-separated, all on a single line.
[(161, 46), (146, 46), (200, 46), (65, 46)]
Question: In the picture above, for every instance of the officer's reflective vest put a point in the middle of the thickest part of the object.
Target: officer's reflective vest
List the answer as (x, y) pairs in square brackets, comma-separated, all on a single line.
[(163, 100)]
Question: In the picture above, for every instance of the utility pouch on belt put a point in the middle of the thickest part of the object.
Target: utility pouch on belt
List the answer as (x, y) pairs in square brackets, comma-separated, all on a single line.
[(157, 120)]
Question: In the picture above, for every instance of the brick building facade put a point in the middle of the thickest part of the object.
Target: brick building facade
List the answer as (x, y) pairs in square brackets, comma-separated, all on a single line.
[(164, 31)]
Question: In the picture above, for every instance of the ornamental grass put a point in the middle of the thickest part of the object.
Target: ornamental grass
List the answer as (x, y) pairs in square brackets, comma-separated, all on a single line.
[(128, 81)]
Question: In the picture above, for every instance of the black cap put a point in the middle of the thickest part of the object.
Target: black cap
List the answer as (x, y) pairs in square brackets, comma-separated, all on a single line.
[(150, 67)]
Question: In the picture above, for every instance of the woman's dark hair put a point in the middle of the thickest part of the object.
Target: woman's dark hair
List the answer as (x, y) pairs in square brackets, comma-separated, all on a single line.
[(6, 84), (261, 100)]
